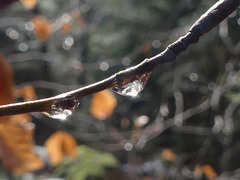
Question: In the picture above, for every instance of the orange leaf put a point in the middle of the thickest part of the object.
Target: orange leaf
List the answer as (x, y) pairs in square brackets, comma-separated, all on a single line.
[(6, 82), (209, 172), (27, 92), (66, 28), (16, 144), (103, 104), (29, 3), (169, 155), (43, 29), (60, 144)]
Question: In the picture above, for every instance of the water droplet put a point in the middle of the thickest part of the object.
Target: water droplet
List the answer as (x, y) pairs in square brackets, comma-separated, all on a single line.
[(12, 33), (128, 146), (23, 47), (126, 61), (156, 43), (62, 108), (193, 77), (104, 66), (132, 88), (29, 26)]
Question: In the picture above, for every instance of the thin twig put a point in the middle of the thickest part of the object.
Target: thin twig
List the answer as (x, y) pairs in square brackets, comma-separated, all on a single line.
[(204, 24)]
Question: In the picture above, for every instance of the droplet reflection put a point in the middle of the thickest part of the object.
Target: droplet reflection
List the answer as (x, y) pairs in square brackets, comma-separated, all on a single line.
[(133, 88)]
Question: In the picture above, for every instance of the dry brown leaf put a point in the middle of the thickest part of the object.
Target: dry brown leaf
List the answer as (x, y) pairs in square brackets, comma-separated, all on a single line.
[(27, 92), (6, 82), (16, 132), (43, 28), (60, 144), (209, 172), (29, 3), (16, 145), (169, 155), (103, 104)]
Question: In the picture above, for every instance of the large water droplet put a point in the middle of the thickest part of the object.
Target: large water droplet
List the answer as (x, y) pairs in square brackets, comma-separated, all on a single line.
[(134, 87), (61, 109)]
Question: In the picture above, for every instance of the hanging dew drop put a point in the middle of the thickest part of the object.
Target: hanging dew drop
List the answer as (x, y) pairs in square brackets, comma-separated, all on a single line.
[(132, 88), (62, 109)]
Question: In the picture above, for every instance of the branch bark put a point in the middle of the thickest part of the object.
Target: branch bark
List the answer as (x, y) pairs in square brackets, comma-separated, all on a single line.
[(217, 13)]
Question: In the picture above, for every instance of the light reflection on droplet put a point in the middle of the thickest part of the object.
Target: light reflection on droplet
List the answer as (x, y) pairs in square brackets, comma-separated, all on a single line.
[(164, 110), (12, 33), (23, 47), (29, 26), (104, 66), (156, 43), (238, 21), (126, 61), (132, 88), (84, 8), (193, 77), (62, 109), (128, 146)]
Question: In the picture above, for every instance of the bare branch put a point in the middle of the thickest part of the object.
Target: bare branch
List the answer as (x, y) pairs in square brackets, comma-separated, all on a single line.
[(204, 24)]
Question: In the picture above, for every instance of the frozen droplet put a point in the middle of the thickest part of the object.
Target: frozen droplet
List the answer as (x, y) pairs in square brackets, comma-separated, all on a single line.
[(62, 109), (128, 146), (132, 88)]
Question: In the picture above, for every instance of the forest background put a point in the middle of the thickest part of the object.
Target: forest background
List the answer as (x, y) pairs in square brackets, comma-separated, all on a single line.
[(184, 124)]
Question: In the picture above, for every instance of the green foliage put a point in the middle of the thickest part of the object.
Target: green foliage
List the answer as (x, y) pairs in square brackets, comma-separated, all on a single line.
[(90, 163)]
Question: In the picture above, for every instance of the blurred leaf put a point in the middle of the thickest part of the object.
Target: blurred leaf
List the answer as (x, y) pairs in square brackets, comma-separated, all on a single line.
[(29, 3), (6, 82), (60, 144), (66, 28), (27, 92), (209, 172), (43, 28), (169, 155), (89, 163), (16, 132), (103, 104), (16, 144)]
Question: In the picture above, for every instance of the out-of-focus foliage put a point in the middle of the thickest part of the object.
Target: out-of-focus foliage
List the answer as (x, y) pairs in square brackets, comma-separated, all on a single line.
[(58, 145), (190, 106), (90, 163), (103, 104)]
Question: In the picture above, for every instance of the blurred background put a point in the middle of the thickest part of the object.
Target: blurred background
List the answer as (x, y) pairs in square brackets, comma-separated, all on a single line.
[(183, 125)]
